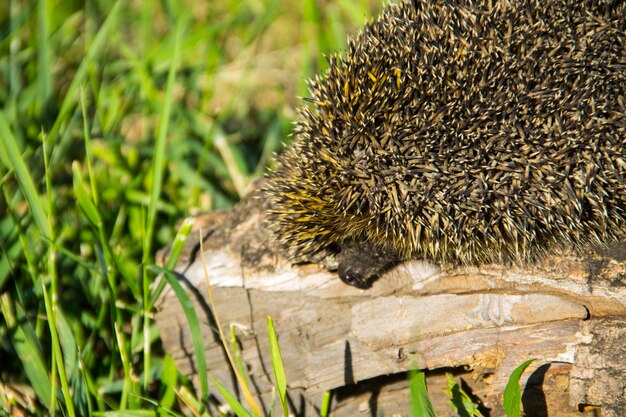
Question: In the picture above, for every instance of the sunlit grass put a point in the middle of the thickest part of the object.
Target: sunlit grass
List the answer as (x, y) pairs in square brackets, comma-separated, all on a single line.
[(119, 119)]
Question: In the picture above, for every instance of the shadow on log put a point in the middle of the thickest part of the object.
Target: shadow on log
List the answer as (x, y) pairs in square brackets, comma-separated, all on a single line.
[(477, 323)]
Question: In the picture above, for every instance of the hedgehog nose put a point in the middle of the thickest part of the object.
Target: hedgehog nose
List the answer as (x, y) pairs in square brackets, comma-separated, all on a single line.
[(355, 276)]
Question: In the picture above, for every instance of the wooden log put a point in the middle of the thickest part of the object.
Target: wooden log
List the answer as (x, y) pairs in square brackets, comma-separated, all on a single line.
[(478, 323)]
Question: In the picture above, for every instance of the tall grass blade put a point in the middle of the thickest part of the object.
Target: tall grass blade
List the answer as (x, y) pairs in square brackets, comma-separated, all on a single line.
[(88, 152), (238, 409), (247, 393), (45, 70), (10, 148), (177, 248), (84, 200), (420, 400), (278, 366), (88, 381), (68, 344), (512, 397), (57, 354), (7, 256), (234, 161), (237, 355), (169, 378), (179, 242), (158, 166), (51, 304), (158, 163), (460, 401), (71, 96), (190, 400), (194, 326), (27, 347), (14, 49), (325, 406), (310, 37)]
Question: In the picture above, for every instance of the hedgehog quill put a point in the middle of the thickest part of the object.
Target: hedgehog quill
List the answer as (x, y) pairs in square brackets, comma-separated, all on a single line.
[(464, 132)]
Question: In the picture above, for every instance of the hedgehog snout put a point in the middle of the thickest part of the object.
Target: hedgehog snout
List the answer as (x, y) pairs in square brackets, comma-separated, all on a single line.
[(360, 263), (356, 275)]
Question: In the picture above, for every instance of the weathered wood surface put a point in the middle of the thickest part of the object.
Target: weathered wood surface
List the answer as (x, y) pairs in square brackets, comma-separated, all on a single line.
[(568, 311)]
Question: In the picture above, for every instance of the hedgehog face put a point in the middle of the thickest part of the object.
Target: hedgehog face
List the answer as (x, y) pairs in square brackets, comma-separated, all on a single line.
[(462, 132), (360, 263)]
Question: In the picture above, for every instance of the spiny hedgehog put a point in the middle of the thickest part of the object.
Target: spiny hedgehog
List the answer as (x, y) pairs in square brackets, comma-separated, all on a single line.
[(461, 131)]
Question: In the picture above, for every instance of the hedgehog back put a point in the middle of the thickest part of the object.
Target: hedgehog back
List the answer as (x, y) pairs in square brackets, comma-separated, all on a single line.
[(464, 131)]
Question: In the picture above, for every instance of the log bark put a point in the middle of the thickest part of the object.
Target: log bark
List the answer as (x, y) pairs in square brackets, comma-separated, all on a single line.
[(475, 323)]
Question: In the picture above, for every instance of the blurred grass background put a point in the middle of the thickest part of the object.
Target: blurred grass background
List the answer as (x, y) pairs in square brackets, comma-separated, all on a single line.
[(117, 120)]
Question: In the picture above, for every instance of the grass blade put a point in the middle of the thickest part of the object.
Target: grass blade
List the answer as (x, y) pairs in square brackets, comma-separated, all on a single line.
[(84, 200), (239, 410), (194, 326), (158, 163), (57, 354), (420, 401), (512, 397), (45, 70), (325, 407), (247, 394), (177, 248), (70, 99), (68, 344), (10, 148), (237, 355), (27, 348), (179, 242), (234, 162), (460, 402), (190, 401), (169, 378), (277, 365), (7, 256), (88, 152), (14, 72)]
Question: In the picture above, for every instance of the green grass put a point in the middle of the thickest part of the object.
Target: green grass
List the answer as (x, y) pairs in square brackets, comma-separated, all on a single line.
[(117, 120)]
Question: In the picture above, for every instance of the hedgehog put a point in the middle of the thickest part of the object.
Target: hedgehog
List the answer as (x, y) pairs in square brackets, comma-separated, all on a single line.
[(463, 132)]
